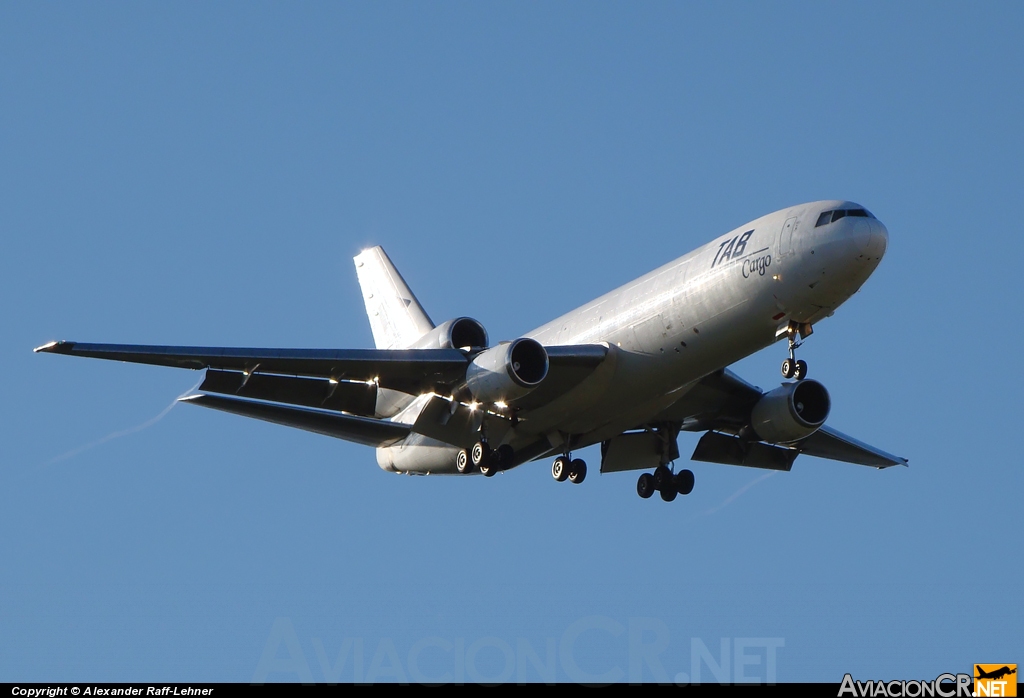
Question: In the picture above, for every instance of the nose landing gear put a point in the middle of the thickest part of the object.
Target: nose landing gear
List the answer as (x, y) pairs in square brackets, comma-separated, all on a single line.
[(791, 368), (567, 468)]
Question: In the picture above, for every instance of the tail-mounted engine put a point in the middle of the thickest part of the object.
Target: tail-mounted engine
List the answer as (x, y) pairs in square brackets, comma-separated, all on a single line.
[(459, 333), (507, 371), (791, 412)]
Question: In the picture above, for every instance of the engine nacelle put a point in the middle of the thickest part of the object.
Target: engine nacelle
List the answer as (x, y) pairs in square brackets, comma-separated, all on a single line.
[(454, 334), (507, 371), (791, 412)]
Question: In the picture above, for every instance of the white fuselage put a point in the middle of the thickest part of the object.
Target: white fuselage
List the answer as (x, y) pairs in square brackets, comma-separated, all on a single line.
[(684, 320)]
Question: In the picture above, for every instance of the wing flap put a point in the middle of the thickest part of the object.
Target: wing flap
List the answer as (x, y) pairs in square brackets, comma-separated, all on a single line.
[(357, 397), (730, 450), (362, 430)]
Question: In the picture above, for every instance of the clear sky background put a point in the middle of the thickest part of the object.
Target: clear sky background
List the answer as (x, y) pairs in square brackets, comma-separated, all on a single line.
[(203, 174)]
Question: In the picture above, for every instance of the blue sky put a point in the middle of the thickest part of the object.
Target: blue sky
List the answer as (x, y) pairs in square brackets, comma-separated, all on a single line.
[(194, 174)]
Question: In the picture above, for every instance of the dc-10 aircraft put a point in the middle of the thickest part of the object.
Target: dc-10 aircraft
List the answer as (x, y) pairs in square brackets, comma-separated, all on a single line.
[(629, 370)]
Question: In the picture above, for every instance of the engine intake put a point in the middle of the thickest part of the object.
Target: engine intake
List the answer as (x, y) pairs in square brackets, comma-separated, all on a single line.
[(507, 371), (791, 412), (455, 334)]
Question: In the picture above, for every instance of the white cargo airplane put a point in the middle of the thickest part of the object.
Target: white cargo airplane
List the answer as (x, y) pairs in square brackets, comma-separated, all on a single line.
[(628, 370)]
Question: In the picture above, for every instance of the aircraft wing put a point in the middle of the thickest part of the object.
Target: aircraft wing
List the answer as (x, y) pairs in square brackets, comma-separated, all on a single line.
[(409, 370), (330, 391), (835, 445), (721, 402)]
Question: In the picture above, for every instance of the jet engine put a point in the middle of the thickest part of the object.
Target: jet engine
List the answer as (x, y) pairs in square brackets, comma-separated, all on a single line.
[(507, 371), (454, 334), (791, 412)]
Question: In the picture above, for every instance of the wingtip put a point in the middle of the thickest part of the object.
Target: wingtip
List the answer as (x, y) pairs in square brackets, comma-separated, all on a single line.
[(55, 347)]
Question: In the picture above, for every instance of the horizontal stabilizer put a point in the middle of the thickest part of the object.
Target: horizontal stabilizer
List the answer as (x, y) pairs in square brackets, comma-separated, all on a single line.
[(362, 430), (730, 450), (408, 370)]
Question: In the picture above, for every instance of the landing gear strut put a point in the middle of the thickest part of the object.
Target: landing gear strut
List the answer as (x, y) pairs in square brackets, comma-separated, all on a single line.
[(567, 468), (791, 368), (663, 480)]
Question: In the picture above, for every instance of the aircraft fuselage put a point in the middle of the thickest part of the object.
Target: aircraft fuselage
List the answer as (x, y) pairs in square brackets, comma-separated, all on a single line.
[(669, 328)]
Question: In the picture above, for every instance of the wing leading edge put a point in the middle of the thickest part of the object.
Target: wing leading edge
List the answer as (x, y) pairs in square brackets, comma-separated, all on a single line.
[(408, 370)]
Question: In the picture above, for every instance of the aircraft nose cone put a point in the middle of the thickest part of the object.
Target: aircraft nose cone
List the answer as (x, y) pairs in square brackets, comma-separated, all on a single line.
[(879, 238), (871, 237)]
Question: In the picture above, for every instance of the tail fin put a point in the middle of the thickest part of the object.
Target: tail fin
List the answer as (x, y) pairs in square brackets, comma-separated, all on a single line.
[(396, 317)]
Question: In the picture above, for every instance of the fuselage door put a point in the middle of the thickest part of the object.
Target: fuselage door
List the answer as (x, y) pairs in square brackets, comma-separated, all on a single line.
[(786, 237)]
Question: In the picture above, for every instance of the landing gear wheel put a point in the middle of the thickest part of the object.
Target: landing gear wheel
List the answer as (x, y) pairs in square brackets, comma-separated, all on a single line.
[(663, 478), (684, 482), (577, 471), (462, 461), (645, 486), (668, 494), (480, 455), (560, 469), (488, 470), (788, 368), (800, 371)]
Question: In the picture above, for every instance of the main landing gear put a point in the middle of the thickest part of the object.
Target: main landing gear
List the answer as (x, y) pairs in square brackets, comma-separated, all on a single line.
[(791, 368), (483, 458), (567, 468), (665, 483)]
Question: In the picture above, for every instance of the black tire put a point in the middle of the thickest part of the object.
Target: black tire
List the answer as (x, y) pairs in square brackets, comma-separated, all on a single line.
[(800, 371), (577, 471), (788, 368), (488, 470), (663, 478), (462, 463), (684, 482), (560, 469), (480, 456), (668, 494), (645, 486)]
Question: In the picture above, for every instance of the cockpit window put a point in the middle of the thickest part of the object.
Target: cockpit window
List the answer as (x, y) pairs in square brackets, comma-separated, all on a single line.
[(832, 216)]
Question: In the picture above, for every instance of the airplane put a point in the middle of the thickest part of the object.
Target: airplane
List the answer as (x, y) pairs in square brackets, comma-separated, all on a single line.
[(996, 674), (629, 370)]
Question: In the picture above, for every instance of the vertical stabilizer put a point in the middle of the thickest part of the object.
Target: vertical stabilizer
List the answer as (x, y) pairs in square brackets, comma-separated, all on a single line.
[(396, 317)]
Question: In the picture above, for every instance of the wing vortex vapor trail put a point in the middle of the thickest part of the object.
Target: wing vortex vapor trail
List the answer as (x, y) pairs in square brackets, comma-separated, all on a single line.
[(123, 432), (734, 496)]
